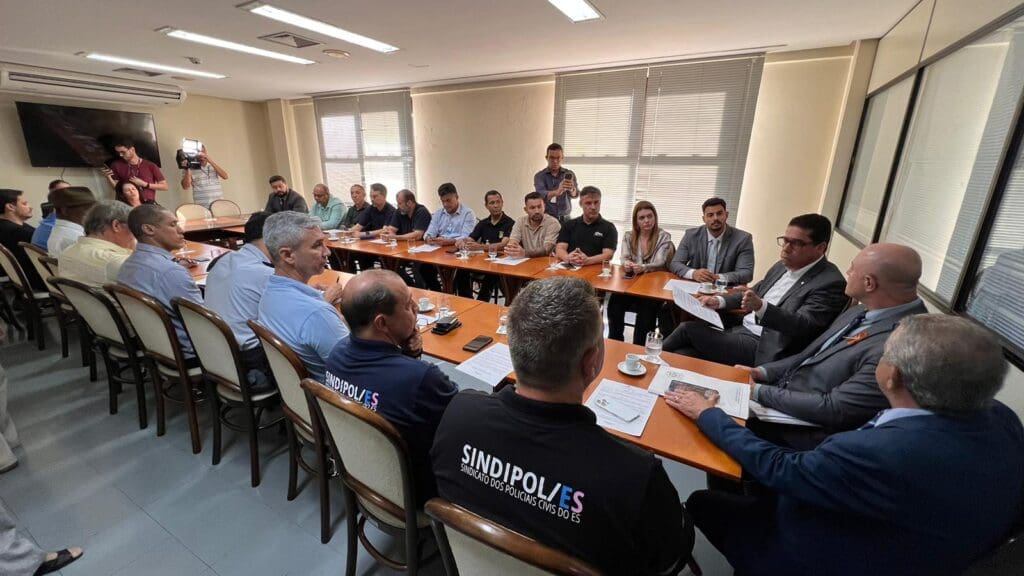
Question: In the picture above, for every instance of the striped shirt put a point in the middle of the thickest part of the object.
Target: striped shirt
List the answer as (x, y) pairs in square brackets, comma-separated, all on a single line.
[(205, 185)]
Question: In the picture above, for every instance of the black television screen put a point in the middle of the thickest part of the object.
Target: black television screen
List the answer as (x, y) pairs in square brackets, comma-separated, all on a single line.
[(71, 137)]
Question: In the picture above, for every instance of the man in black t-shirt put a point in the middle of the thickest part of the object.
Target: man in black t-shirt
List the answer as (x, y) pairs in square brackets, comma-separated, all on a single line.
[(491, 232), (409, 222), (14, 228), (587, 239), (532, 457)]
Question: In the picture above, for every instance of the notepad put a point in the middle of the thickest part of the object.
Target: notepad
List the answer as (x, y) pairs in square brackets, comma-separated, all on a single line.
[(637, 399)]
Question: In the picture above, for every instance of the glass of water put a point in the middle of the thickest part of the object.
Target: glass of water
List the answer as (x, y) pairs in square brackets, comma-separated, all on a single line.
[(492, 251), (606, 268), (721, 284), (444, 306), (502, 320), (653, 346)]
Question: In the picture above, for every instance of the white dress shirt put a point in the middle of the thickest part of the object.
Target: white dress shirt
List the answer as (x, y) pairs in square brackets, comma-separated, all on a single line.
[(64, 234), (774, 295), (708, 264)]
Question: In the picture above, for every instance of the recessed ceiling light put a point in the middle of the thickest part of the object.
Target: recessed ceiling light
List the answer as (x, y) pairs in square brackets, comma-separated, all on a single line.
[(335, 53), (577, 10), (317, 26), (227, 44), (152, 65)]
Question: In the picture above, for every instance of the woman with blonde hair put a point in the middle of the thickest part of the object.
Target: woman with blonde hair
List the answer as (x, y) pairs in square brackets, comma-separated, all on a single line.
[(645, 248)]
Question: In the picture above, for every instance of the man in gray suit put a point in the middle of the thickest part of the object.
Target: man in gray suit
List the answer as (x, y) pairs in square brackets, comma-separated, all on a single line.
[(797, 299), (832, 383), (731, 249)]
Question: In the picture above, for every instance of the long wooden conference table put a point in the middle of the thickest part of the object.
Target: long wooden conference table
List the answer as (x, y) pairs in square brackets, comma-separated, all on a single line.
[(668, 433)]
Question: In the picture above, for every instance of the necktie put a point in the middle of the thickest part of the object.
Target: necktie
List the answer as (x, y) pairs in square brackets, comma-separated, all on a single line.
[(713, 256), (849, 327)]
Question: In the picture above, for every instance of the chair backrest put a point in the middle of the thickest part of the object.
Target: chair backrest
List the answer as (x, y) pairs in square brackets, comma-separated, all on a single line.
[(222, 207), (214, 343), (189, 211), (474, 545), (288, 371), (374, 456), (97, 309), (38, 257), (14, 271), (151, 324)]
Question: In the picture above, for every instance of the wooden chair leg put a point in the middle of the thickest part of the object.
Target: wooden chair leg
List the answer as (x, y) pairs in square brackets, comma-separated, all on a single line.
[(254, 449), (325, 494), (111, 384), (214, 402), (62, 325), (193, 416), (293, 461), (140, 393), (351, 520), (161, 421)]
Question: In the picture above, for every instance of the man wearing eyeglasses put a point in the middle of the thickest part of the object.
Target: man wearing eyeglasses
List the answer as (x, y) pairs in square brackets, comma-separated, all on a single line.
[(797, 299)]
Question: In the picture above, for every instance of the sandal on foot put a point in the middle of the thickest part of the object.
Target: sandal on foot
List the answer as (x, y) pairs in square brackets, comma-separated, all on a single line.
[(63, 558)]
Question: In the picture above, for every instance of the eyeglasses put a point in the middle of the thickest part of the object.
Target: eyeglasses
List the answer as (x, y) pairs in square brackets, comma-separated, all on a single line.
[(794, 242)]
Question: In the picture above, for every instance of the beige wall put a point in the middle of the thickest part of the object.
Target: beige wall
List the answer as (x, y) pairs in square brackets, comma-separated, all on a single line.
[(482, 137), (792, 142), (235, 133)]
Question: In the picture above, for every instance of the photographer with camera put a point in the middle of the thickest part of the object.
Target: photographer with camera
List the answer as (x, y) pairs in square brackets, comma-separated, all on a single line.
[(202, 176)]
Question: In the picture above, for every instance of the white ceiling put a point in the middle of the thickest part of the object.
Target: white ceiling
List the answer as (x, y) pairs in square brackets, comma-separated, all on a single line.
[(455, 39)]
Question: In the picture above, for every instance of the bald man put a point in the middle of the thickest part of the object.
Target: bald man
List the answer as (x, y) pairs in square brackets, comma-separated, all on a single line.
[(831, 383), (377, 366)]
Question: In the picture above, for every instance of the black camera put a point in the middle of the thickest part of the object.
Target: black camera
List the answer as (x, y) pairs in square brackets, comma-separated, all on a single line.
[(188, 155)]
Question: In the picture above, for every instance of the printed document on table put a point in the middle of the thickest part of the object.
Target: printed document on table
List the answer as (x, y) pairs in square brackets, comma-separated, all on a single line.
[(684, 285), (424, 320), (733, 397), (423, 248), (378, 241), (766, 414), (624, 395), (510, 261), (490, 365), (690, 304)]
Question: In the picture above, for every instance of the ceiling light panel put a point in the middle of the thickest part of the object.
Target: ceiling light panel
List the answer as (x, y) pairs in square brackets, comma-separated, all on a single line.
[(317, 26), (227, 44), (152, 66), (577, 10)]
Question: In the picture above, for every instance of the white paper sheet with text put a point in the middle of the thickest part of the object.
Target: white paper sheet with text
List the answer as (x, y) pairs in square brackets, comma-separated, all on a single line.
[(766, 414), (491, 365), (693, 306), (685, 285), (733, 397), (623, 394), (510, 261), (423, 248)]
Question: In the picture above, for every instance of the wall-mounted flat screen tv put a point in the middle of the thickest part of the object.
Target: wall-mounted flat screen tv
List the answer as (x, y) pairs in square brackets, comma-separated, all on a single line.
[(72, 137)]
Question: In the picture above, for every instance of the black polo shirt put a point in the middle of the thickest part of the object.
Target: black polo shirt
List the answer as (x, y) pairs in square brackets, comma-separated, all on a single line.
[(487, 233), (373, 219), (590, 238), (420, 220), (10, 235), (548, 471)]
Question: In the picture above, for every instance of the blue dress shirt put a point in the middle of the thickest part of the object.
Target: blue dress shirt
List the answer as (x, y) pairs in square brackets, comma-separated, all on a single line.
[(299, 315), (153, 271), (457, 225), (42, 234), (234, 288)]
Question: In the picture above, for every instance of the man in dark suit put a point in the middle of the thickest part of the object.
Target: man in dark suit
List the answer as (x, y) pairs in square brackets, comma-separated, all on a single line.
[(831, 383), (797, 299), (731, 249), (924, 488)]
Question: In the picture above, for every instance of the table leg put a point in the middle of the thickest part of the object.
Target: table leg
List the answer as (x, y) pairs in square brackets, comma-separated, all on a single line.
[(447, 279), (511, 286)]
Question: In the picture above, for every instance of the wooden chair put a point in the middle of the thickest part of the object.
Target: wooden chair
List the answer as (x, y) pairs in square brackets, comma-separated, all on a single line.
[(471, 544), (288, 373), (189, 211), (6, 311), (121, 352), (222, 207), (155, 330), (376, 473), (34, 302), (46, 267), (226, 381)]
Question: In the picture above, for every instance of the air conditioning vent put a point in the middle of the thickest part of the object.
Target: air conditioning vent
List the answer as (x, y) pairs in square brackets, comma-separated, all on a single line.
[(289, 39), (74, 85), (138, 72)]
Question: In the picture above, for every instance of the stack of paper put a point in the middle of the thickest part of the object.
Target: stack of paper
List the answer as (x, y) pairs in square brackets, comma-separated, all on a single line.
[(733, 397), (684, 285), (492, 365), (690, 304), (510, 261), (632, 398), (766, 414)]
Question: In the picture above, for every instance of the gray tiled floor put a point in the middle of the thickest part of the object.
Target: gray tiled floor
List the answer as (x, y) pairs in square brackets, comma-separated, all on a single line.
[(142, 505)]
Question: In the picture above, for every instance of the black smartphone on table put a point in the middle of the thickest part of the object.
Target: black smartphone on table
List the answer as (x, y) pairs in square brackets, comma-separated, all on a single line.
[(477, 344)]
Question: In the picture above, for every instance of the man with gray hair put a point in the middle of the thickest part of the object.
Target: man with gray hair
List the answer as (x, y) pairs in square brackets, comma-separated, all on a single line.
[(290, 308), (533, 458), (926, 487), (97, 257), (378, 366)]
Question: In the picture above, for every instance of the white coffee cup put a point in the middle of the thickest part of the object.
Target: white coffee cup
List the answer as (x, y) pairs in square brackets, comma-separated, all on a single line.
[(333, 235), (707, 288), (424, 303), (632, 362)]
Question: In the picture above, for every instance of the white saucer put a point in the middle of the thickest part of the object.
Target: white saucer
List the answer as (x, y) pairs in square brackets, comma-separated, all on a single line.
[(427, 309), (638, 372)]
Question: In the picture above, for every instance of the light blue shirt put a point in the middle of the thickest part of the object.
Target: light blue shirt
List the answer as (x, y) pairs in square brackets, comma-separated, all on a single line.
[(234, 288), (897, 413), (299, 315), (458, 225), (153, 271), (42, 234), (330, 216)]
